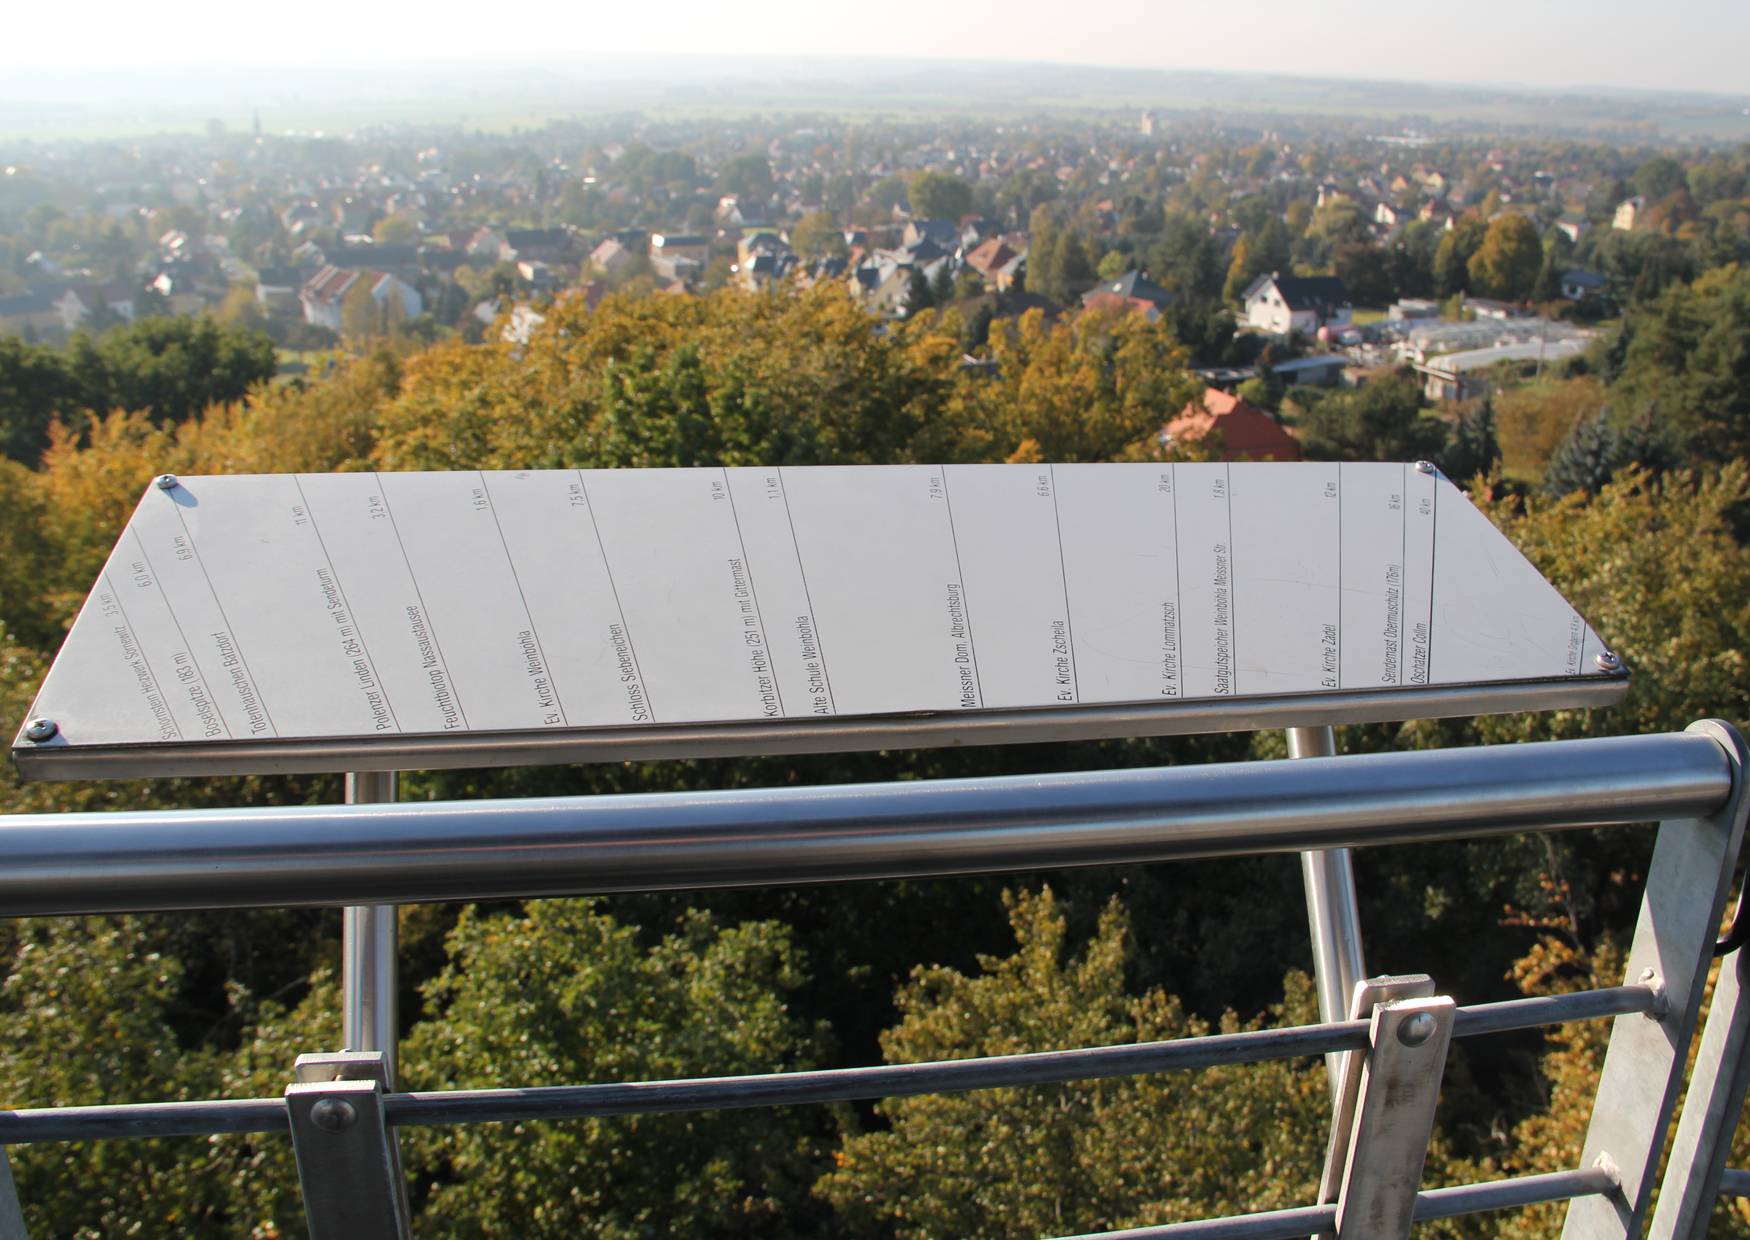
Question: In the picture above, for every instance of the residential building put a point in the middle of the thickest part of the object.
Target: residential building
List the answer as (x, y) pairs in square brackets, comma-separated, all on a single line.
[(609, 257), (1578, 285), (1281, 304), (1627, 212), (324, 294), (1319, 370), (1247, 432), (276, 289), (695, 246), (32, 315), (945, 234), (1131, 291), (990, 259)]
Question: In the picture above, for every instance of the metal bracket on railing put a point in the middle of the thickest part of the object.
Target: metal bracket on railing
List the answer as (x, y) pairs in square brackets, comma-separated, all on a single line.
[(1394, 1117), (1369, 994), (349, 1168)]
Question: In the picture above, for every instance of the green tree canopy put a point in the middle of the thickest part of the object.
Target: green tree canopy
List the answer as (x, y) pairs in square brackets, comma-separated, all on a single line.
[(561, 993), (940, 196), (817, 235), (748, 176), (1380, 421), (1453, 255), (1508, 260), (1095, 1156), (172, 368)]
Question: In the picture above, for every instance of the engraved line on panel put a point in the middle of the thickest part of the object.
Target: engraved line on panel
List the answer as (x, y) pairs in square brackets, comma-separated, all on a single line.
[(174, 619), (1233, 593), (144, 661), (1075, 684), (753, 592), (965, 595), (1433, 557), (1339, 683), (534, 629), (626, 628), (1178, 586), (424, 611), (340, 587), (1403, 566), (230, 629), (807, 595)]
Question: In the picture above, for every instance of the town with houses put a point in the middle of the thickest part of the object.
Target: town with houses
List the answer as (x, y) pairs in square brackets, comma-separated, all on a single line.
[(1316, 256)]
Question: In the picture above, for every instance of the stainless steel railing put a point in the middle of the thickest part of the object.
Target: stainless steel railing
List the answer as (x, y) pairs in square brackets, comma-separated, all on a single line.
[(341, 1115)]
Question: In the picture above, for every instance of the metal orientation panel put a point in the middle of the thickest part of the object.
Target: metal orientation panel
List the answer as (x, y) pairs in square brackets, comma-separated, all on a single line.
[(376, 621)]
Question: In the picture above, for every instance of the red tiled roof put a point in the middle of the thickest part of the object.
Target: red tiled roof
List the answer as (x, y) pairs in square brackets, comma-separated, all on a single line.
[(1247, 432), (990, 256)]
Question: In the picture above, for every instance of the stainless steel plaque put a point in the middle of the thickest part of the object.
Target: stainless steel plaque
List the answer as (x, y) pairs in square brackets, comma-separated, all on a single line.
[(352, 621)]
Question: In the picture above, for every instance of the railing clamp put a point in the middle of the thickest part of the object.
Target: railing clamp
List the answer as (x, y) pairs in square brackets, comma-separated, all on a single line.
[(1661, 998)]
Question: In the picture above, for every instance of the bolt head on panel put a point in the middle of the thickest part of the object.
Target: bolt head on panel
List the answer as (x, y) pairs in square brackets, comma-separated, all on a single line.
[(1607, 661), (165, 482), (41, 730), (1424, 467)]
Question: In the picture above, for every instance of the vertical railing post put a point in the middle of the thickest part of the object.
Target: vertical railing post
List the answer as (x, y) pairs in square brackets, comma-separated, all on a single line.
[(1687, 886), (369, 1020), (11, 1212), (1332, 910), (1710, 1112)]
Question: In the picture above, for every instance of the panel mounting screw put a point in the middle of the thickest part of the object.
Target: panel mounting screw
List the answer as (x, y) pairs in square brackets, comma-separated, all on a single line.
[(166, 482), (333, 1114), (1424, 467), (40, 730), (1608, 662), (1416, 1030)]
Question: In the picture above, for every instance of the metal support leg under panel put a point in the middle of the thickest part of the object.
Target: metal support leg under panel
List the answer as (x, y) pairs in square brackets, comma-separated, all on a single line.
[(1332, 910), (369, 1020)]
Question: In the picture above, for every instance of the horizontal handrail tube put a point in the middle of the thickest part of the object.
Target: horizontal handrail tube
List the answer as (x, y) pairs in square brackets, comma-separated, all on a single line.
[(401, 853), (1432, 1203), (128, 1120), (1735, 1183), (1298, 1221), (169, 1119), (1480, 1019), (1514, 1194), (883, 1081), (458, 1106)]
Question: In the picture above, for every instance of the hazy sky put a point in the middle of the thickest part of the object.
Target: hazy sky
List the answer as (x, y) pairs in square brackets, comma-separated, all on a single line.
[(1678, 45)]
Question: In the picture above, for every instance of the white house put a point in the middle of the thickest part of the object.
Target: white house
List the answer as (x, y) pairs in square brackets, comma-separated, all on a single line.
[(324, 294), (1281, 304)]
